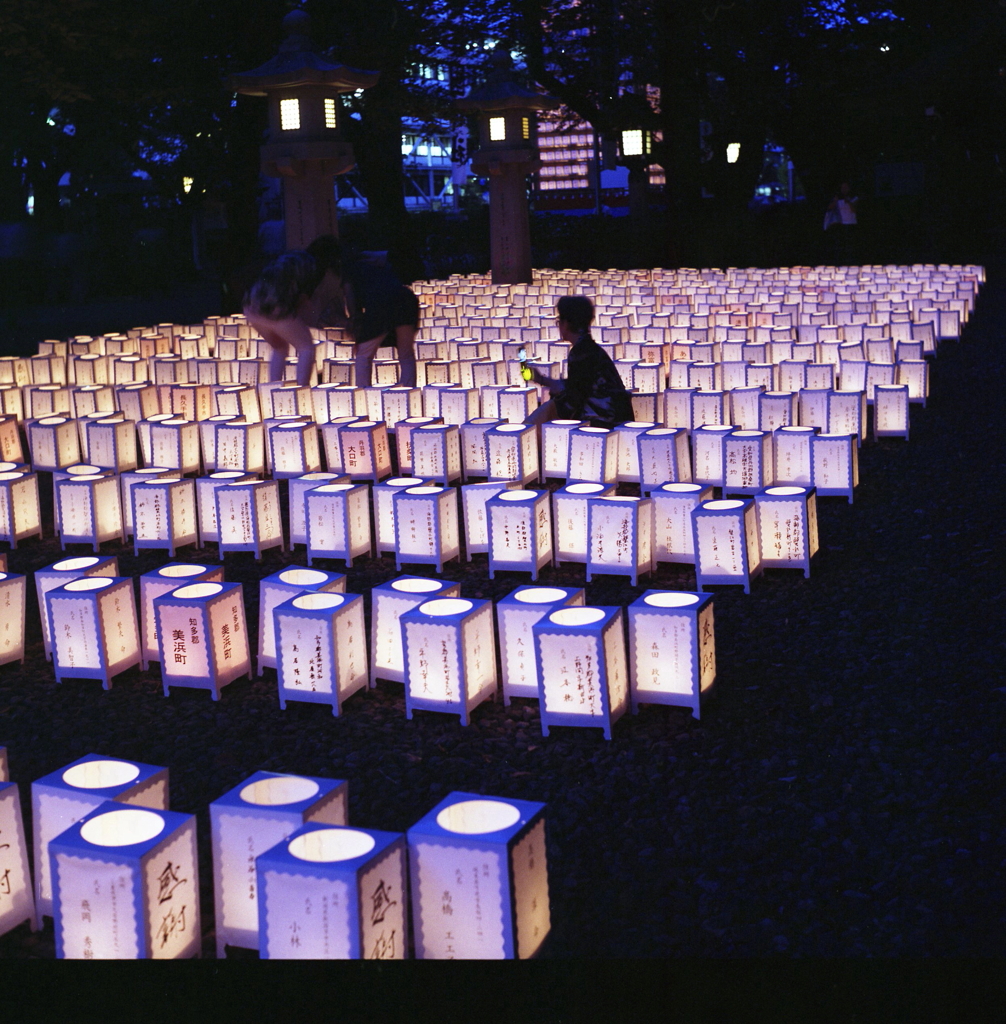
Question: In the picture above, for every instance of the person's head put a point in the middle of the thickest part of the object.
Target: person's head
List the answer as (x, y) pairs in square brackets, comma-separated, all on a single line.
[(576, 312), (327, 253), (844, 188), (276, 293)]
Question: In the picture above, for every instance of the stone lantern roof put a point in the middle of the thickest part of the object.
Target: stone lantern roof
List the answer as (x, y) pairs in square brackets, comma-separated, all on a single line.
[(503, 91)]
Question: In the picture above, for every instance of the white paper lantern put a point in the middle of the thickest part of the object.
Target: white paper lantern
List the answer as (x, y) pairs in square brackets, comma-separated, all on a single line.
[(426, 526), (293, 448), (164, 514), (627, 435), (365, 451), (321, 648), (787, 524), (792, 455), (174, 443), (761, 375), (673, 536), (813, 404), (708, 408), (286, 400), (297, 487), (436, 452), (334, 401), (450, 656), (488, 373), (12, 402), (111, 444), (61, 572), (206, 499), (202, 636), (338, 522), (238, 400), (474, 452), (161, 581), (459, 404), (94, 630), (248, 517), (16, 902), (169, 369), (46, 400), (664, 456), (520, 531), (726, 543), (479, 879), (13, 590), (555, 447), (403, 441), (512, 453), (748, 462), (11, 449), (20, 516), (914, 373), (584, 673), (890, 411), (835, 459), (744, 404), (192, 401), (250, 819), (672, 649), (53, 442), (847, 414), (431, 397), (593, 455), (399, 403), (792, 375), (620, 536), (138, 401), (476, 518), (517, 403), (678, 407), (90, 509), (777, 409), (569, 514), (281, 587), (208, 439), (384, 508), (708, 454), (92, 398)]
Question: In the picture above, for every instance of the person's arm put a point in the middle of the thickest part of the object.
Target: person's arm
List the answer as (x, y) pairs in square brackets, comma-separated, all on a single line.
[(552, 383)]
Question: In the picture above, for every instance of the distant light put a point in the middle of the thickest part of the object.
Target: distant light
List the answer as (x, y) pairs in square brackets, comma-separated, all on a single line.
[(289, 114), (489, 44), (884, 48), (330, 116), (632, 142), (357, 94), (50, 121), (733, 152), (186, 185), (497, 129), (30, 205)]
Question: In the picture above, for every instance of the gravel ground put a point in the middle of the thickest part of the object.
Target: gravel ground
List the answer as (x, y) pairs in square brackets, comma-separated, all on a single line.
[(840, 796)]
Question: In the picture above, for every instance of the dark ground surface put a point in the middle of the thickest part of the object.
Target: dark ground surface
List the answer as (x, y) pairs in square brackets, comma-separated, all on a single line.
[(840, 797)]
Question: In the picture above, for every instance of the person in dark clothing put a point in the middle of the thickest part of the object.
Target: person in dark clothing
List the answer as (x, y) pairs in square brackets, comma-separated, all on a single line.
[(592, 389)]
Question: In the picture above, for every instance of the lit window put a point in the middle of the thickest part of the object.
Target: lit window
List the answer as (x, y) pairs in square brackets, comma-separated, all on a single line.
[(733, 152), (497, 129), (289, 115), (525, 127), (330, 119), (186, 185), (632, 143)]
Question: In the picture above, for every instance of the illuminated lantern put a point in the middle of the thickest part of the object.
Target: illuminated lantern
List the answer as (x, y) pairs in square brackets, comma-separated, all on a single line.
[(239, 445), (476, 519), (138, 401), (672, 649), (126, 885), (515, 615), (569, 513), (143, 431), (248, 517), (286, 400), (814, 407), (67, 795), (708, 407), (847, 414), (499, 842), (330, 441), (626, 435), (192, 401), (792, 375), (293, 449), (512, 452), (238, 400), (250, 819), (45, 401), (555, 448), (399, 403), (111, 444), (664, 456), (281, 587), (297, 487), (17, 904), (384, 508), (164, 514), (356, 877), (208, 438), (92, 398), (734, 376), (708, 454), (777, 409), (593, 455), (92, 622), (744, 407), (431, 397), (206, 499), (877, 375), (169, 369), (726, 543), (426, 526), (673, 504), (450, 656), (202, 636), (488, 374), (90, 510), (175, 443), (53, 442), (748, 462), (436, 452), (365, 451), (678, 407), (12, 607), (158, 582), (584, 674), (338, 522), (11, 402), (321, 648), (20, 516), (130, 369), (620, 536), (820, 375), (792, 455), (474, 452), (459, 405), (11, 449), (520, 531), (403, 441), (517, 403), (914, 373), (761, 375), (334, 401), (787, 524), (61, 572), (835, 459), (890, 411)]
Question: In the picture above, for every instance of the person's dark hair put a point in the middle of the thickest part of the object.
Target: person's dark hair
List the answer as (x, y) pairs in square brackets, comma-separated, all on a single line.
[(327, 253), (276, 293), (577, 311)]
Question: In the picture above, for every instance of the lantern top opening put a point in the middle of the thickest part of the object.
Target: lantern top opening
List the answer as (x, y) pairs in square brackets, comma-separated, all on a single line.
[(718, 505), (444, 606), (7, 466), (401, 481), (671, 600), (540, 595), (197, 590), (280, 789), (576, 616), (595, 430), (567, 423), (511, 428), (517, 495), (122, 828), (104, 774), (660, 431), (85, 476), (226, 474), (90, 583), (52, 421), (748, 433), (303, 577), (318, 476), (423, 490), (786, 490), (11, 476), (72, 564), (584, 488), (798, 430), (489, 419), (639, 423), (415, 586), (315, 602), (478, 817), (327, 845), (181, 570), (332, 488)]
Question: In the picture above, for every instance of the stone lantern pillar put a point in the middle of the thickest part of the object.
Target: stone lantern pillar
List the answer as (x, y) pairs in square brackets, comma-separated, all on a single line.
[(507, 154), (305, 146)]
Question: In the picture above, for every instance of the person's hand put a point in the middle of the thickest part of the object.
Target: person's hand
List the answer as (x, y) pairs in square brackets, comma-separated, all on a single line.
[(538, 377)]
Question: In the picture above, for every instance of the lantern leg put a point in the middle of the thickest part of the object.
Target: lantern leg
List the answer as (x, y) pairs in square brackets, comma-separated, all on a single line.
[(282, 702), (165, 688), (544, 727)]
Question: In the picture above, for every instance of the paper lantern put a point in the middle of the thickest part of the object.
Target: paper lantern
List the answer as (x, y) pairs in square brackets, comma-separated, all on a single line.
[(708, 407), (334, 401), (436, 452), (890, 411), (92, 398), (787, 525), (365, 451), (208, 438), (61, 572), (11, 449), (143, 432), (748, 464), (90, 509), (70, 793), (138, 401), (293, 449), (813, 404), (384, 508), (520, 531), (11, 402), (777, 409), (192, 401), (673, 536), (46, 400), (17, 904), (321, 648), (708, 454), (53, 442), (126, 885), (584, 675), (835, 460), (744, 404), (626, 435), (248, 517), (515, 615), (168, 369), (426, 526), (164, 514), (111, 444), (338, 522), (399, 403), (664, 456), (450, 656), (202, 636), (161, 581), (474, 452), (792, 375), (672, 649), (593, 455), (459, 404), (206, 499), (297, 487), (726, 543), (476, 517), (431, 397), (555, 447), (286, 400), (175, 443), (620, 536), (403, 441), (333, 893), (512, 452), (761, 375), (678, 407), (92, 622), (914, 373), (238, 400), (250, 819), (331, 444), (479, 879), (847, 414), (517, 403), (569, 513), (281, 587), (792, 455), (13, 590), (20, 516)]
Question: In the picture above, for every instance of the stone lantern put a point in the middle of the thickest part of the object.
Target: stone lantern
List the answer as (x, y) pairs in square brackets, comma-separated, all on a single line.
[(305, 146), (507, 154)]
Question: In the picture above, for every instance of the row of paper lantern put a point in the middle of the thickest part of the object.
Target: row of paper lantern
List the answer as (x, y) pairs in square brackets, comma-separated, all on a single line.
[(118, 871)]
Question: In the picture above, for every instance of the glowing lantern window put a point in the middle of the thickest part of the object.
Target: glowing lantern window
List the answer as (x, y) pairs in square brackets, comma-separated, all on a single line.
[(400, 403), (157, 583), (503, 842), (459, 404), (632, 143), (11, 449), (847, 414), (248, 517), (338, 522), (365, 451), (517, 403), (331, 119), (584, 672), (915, 374), (20, 516), (138, 401), (835, 460), (111, 444), (92, 398), (476, 520), (497, 129), (46, 400), (569, 514), (293, 449), (334, 401), (67, 795), (13, 590), (673, 503), (678, 407), (450, 656), (520, 531), (813, 406), (628, 452), (426, 526), (890, 411), (289, 114), (191, 401), (664, 456), (474, 456), (54, 443), (787, 524), (61, 572), (555, 447), (164, 514), (593, 455), (748, 462), (726, 543), (672, 649), (708, 457), (90, 510), (18, 905), (297, 487), (792, 455), (384, 508), (206, 499), (174, 443), (761, 375), (436, 452)]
